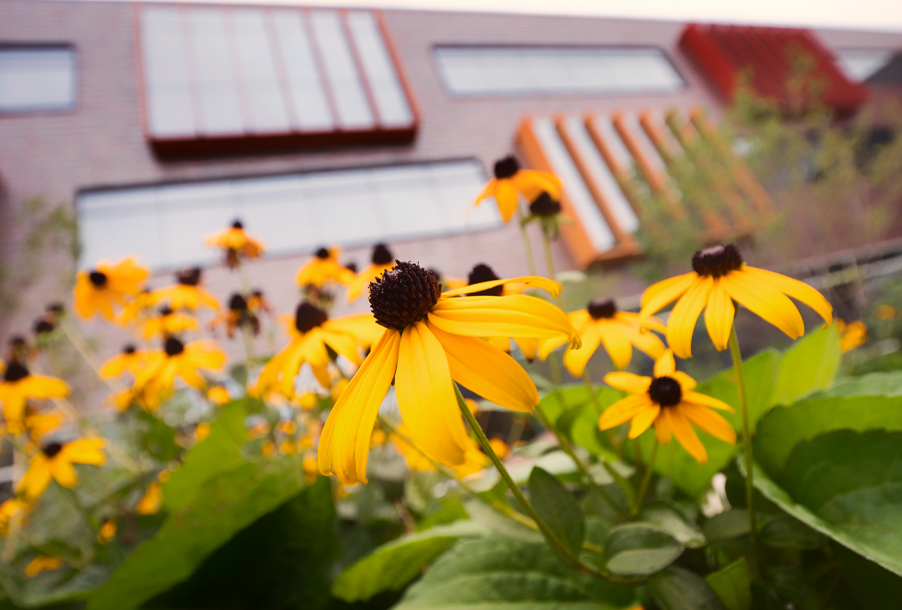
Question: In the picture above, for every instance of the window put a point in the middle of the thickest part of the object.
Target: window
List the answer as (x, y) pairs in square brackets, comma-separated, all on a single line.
[(486, 70), (165, 225), (37, 78), (221, 79), (861, 64)]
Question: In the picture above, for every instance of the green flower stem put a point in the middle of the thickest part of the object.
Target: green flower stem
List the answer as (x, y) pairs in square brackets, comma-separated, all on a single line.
[(646, 480), (81, 346), (530, 261), (746, 442), (549, 259), (616, 443)]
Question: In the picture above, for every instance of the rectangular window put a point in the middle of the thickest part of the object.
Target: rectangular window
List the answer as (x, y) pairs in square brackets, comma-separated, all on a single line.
[(487, 70), (37, 78), (164, 226), (235, 79), (861, 64)]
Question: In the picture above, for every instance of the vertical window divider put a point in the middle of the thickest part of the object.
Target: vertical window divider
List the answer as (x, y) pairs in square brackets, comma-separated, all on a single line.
[(143, 106)]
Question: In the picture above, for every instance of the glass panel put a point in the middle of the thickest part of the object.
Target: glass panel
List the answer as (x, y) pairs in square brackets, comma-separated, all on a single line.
[(190, 212), (116, 224), (168, 90), (347, 90), (406, 198), (307, 93), (577, 194), (605, 127), (463, 70), (859, 64), (390, 99), (279, 212), (258, 70), (217, 91), (36, 79)]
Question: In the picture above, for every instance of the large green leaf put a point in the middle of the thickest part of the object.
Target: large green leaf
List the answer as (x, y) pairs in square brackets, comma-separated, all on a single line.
[(873, 384), (222, 506), (733, 585), (810, 365), (668, 519), (393, 565), (637, 549), (558, 508), (496, 572), (679, 589)]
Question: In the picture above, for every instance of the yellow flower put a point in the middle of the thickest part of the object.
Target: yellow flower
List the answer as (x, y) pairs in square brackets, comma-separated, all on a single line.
[(42, 563), (312, 332), (259, 429), (382, 261), (500, 448), (667, 401), (136, 308), (286, 426), (432, 338), (201, 431), (474, 459), (511, 181), (238, 314), (311, 470), (218, 395), (307, 400), (449, 283), (288, 447), (167, 323), (106, 285), (179, 360), (38, 424), (132, 360), (18, 385), (55, 460), (234, 242), (186, 293), (12, 509), (107, 531), (323, 269), (852, 335), (268, 448), (602, 324), (886, 312), (338, 387), (152, 500), (719, 277)]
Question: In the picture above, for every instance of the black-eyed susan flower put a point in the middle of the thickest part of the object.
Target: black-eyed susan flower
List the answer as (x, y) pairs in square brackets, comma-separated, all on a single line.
[(852, 335), (257, 303), (43, 563), (719, 277), (237, 315), (36, 425), (600, 323), (19, 350), (107, 285), (511, 181), (55, 461), (152, 500), (311, 333), (48, 322), (235, 244), (667, 402), (186, 293), (382, 261), (178, 360), (12, 510), (18, 385), (107, 531), (129, 360), (324, 268), (167, 322), (218, 395), (137, 308), (546, 210), (431, 340)]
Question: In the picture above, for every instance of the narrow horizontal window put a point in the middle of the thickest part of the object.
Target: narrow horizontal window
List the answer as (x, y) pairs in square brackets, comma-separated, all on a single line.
[(861, 64), (37, 78)]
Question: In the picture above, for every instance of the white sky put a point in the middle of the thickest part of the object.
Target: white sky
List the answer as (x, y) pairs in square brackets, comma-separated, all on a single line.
[(883, 15)]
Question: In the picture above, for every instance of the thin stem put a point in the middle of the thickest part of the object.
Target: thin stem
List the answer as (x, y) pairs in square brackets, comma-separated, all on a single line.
[(81, 346), (746, 442), (593, 396), (530, 261), (646, 480), (549, 259)]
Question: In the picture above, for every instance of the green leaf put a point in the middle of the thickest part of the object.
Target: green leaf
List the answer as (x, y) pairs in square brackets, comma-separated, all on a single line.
[(636, 549), (730, 524), (558, 508), (732, 585), (810, 365), (393, 565), (871, 584), (667, 519), (873, 384), (494, 572), (557, 403), (679, 589), (221, 507), (499, 523), (785, 532)]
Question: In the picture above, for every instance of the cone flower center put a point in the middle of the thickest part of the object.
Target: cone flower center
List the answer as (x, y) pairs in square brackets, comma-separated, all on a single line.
[(403, 295), (717, 261), (665, 391), (601, 308)]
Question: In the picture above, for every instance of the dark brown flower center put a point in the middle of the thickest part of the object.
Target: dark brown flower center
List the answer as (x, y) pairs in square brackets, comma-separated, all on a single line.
[(128, 349), (352, 267), (544, 205), (506, 167), (14, 372), (382, 255), (484, 273), (43, 326), (308, 316), (601, 308), (165, 310), (189, 277), (237, 303), (665, 391), (56, 308), (173, 347), (403, 295), (51, 449), (237, 224), (98, 278), (322, 253), (717, 261)]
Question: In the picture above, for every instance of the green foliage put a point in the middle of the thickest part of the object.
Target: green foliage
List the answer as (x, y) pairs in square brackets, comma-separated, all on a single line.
[(558, 509), (679, 589), (636, 549), (732, 585)]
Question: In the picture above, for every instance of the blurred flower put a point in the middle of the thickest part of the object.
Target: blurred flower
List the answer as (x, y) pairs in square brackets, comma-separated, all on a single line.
[(667, 401), (12, 509), (286, 426), (55, 460), (237, 315), (323, 269), (511, 181), (38, 425), (201, 431), (448, 283), (129, 359), (472, 405), (378, 437), (48, 322), (338, 387), (886, 312), (135, 308), (18, 385), (107, 285), (600, 323), (152, 500), (18, 350), (218, 395), (42, 563), (187, 292), (432, 340), (307, 400), (107, 531), (179, 360), (718, 278), (235, 243), (382, 261), (500, 448), (257, 302), (311, 470), (268, 448), (852, 335), (288, 447), (165, 323)]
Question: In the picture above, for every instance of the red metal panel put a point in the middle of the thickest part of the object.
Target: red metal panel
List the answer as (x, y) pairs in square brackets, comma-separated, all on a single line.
[(716, 61), (762, 81)]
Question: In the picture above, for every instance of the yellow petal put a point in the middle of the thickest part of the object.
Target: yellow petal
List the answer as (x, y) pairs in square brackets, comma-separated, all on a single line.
[(616, 343), (41, 386), (628, 382), (344, 443), (36, 478), (488, 371), (529, 347), (796, 289), (681, 324), (658, 296), (63, 472), (507, 198), (546, 346), (719, 316), (687, 383), (665, 365), (487, 191), (709, 421), (342, 344), (576, 359), (531, 183), (647, 342), (686, 436), (643, 420), (764, 301), (85, 451), (530, 281), (623, 410), (708, 401), (663, 429)]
